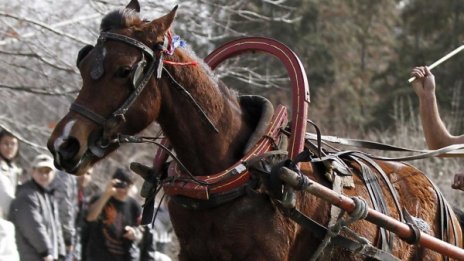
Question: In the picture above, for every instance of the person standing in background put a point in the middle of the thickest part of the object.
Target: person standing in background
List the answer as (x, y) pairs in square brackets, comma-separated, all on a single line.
[(65, 192), (9, 171), (34, 212), (86, 190), (147, 245), (113, 219), (8, 248)]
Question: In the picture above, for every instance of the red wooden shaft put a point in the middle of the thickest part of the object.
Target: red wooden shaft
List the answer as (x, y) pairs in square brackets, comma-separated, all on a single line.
[(389, 223)]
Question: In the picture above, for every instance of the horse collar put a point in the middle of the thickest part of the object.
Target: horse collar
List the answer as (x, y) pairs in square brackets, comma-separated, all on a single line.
[(216, 189)]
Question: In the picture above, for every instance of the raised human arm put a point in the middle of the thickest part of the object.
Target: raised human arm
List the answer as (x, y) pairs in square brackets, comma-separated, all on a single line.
[(96, 208), (435, 132)]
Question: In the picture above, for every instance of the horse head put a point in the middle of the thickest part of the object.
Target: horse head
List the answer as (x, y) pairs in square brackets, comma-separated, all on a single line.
[(120, 90)]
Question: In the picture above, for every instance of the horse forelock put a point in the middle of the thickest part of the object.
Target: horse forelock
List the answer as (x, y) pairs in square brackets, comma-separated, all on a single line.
[(119, 19)]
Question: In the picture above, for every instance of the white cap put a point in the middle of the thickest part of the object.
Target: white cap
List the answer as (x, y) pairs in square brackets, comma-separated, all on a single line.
[(43, 160)]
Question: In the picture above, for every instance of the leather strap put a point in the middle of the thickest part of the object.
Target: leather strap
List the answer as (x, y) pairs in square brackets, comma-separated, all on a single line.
[(445, 218), (416, 235), (127, 40), (449, 151), (319, 231), (89, 114), (387, 181), (217, 199), (377, 198), (357, 143)]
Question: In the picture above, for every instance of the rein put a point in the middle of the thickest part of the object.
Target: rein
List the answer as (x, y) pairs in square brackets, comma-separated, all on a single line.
[(448, 151), (136, 139)]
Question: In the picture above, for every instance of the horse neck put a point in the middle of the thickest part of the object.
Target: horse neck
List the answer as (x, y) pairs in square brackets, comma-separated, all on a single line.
[(202, 150)]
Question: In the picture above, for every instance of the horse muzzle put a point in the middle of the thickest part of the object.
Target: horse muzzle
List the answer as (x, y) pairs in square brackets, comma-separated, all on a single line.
[(65, 154)]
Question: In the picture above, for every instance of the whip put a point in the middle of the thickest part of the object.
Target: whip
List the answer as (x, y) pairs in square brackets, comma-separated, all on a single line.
[(441, 60)]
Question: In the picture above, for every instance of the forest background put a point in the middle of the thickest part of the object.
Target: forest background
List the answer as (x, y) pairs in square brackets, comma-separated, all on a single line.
[(357, 53)]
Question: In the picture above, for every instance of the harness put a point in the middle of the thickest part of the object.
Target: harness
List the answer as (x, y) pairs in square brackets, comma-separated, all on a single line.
[(191, 194)]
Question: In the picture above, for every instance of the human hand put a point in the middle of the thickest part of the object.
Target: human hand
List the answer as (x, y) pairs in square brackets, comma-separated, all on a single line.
[(48, 258), (424, 84), (458, 181), (130, 233), (69, 248), (110, 190)]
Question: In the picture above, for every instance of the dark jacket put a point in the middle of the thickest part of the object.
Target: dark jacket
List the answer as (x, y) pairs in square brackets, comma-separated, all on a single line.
[(65, 192), (35, 215)]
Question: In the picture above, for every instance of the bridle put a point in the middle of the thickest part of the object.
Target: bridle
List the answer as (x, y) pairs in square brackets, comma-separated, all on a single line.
[(99, 142), (140, 77), (141, 74)]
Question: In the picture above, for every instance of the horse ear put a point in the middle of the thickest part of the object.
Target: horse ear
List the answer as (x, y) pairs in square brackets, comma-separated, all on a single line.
[(165, 22), (134, 5)]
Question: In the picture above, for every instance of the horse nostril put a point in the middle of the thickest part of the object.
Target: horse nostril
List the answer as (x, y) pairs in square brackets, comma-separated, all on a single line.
[(69, 149)]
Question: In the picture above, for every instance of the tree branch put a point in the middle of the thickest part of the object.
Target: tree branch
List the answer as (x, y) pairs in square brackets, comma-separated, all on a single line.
[(38, 90), (42, 25), (19, 137)]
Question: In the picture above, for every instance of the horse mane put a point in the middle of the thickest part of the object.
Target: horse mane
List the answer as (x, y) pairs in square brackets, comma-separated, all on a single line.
[(191, 54), (119, 19)]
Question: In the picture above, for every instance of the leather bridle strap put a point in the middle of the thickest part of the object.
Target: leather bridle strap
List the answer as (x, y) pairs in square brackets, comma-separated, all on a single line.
[(121, 111), (89, 114), (127, 40)]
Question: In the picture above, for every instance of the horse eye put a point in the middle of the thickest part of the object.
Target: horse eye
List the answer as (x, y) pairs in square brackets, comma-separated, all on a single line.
[(123, 72)]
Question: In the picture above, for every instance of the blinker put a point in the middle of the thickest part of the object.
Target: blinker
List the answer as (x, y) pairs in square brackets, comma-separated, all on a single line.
[(97, 67)]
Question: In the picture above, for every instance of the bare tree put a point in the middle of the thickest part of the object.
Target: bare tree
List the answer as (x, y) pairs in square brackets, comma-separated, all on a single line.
[(40, 40)]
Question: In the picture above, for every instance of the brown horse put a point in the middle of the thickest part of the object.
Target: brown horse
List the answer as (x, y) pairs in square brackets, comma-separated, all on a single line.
[(128, 83)]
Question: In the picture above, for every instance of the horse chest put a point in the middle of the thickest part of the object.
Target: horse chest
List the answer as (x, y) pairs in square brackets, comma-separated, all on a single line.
[(243, 230)]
